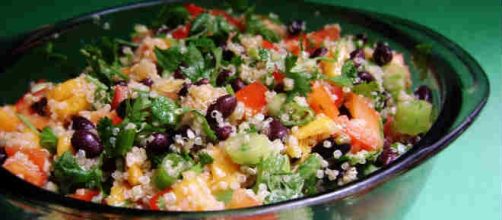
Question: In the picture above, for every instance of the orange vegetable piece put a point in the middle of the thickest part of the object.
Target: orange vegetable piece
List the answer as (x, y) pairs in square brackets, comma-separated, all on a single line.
[(253, 96), (119, 95), (331, 32), (241, 199), (338, 91), (84, 194), (8, 119), (36, 155), (321, 102), (365, 128), (21, 166)]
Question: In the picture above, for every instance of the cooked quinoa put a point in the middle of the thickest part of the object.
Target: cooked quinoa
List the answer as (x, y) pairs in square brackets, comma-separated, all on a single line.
[(208, 109)]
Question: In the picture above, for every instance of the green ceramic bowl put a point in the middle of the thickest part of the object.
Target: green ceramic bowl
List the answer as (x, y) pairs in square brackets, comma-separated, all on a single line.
[(460, 90)]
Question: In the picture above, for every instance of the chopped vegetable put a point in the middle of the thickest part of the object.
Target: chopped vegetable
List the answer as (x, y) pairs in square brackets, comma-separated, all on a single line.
[(71, 176), (248, 149)]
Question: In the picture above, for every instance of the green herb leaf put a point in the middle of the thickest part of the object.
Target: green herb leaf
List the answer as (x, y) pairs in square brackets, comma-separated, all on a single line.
[(275, 173), (254, 25), (171, 16), (301, 80), (70, 176), (125, 141), (48, 139), (169, 59), (199, 117), (308, 170), (205, 158), (105, 132), (210, 26)]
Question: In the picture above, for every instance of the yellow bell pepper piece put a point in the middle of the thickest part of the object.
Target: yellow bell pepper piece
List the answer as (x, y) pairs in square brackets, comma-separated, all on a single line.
[(117, 195), (320, 127), (63, 145), (8, 119), (134, 173)]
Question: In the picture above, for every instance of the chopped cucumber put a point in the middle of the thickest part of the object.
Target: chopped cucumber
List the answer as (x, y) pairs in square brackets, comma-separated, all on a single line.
[(170, 170), (274, 106), (395, 79), (412, 117), (248, 149)]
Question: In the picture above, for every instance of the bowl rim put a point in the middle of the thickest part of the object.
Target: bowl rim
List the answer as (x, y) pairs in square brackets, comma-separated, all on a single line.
[(26, 41)]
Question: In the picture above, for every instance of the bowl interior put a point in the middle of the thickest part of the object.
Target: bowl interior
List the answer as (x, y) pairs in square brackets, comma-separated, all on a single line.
[(459, 85)]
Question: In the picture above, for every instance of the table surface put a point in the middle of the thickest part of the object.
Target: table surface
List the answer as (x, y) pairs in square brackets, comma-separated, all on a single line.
[(465, 182)]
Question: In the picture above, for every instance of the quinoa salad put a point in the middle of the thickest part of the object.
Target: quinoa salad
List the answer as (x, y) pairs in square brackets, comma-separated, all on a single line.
[(213, 109)]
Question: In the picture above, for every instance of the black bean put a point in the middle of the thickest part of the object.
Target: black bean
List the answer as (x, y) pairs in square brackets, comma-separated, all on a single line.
[(147, 82), (365, 77), (122, 108), (201, 82), (160, 70), (357, 53), (296, 27), (158, 142), (238, 84), (382, 54), (223, 132), (223, 76), (386, 157), (3, 155), (279, 88), (227, 54), (225, 105), (327, 152), (424, 93), (362, 37), (40, 107), (344, 111), (276, 130), (178, 74), (319, 52), (81, 123), (88, 142), (344, 148), (184, 90)]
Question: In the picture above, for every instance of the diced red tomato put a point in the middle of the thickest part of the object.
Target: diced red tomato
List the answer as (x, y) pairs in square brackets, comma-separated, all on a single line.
[(278, 77), (116, 120), (321, 102), (119, 95), (38, 156), (194, 9), (253, 96), (267, 45), (84, 194), (365, 129), (155, 199), (338, 91), (25, 169), (181, 32), (331, 32), (230, 19)]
